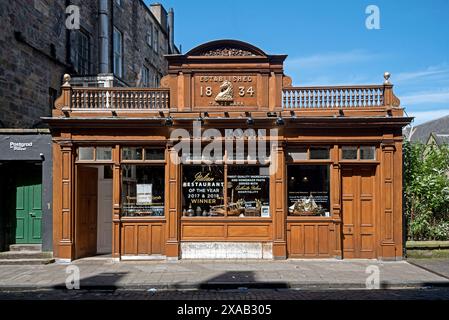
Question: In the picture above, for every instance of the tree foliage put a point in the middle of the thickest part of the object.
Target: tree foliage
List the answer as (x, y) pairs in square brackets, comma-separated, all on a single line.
[(426, 191)]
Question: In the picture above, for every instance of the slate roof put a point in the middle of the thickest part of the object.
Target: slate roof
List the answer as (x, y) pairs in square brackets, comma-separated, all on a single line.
[(439, 128)]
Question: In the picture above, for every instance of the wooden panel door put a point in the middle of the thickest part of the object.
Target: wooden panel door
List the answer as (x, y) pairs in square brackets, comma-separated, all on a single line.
[(358, 186), (86, 212), (29, 206)]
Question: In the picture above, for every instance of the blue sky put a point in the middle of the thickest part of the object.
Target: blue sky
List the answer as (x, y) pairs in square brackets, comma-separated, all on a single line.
[(328, 43)]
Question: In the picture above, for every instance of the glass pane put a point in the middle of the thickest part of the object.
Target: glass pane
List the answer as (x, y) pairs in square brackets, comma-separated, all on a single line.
[(202, 189), (349, 153), (104, 153), (248, 191), (143, 190), (132, 153), (86, 153), (368, 153), (107, 172), (319, 153), (297, 154), (154, 154), (308, 190)]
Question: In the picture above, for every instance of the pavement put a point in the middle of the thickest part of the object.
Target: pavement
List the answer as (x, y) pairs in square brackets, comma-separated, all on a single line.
[(153, 276), (436, 266)]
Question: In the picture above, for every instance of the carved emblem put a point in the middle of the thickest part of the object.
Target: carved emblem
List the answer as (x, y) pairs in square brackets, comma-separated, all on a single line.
[(226, 92), (228, 52)]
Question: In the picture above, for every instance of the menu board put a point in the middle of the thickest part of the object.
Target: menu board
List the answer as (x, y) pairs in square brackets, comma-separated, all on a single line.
[(144, 194)]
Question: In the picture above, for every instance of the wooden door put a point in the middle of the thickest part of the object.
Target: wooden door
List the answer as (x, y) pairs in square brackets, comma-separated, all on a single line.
[(29, 205), (86, 212), (358, 185)]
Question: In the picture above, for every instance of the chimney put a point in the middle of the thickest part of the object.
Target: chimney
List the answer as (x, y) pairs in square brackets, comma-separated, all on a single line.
[(160, 14), (103, 13), (171, 31)]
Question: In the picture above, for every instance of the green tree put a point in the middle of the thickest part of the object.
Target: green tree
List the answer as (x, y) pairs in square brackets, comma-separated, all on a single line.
[(426, 191)]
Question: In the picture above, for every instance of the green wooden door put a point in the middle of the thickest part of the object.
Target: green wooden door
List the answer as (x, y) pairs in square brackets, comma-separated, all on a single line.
[(29, 206)]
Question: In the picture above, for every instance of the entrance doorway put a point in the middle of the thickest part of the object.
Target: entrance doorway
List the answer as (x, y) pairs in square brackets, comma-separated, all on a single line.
[(20, 203), (93, 220), (358, 188)]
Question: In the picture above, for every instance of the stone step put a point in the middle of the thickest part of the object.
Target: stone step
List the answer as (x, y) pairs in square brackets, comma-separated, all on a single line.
[(25, 261), (25, 247), (25, 257)]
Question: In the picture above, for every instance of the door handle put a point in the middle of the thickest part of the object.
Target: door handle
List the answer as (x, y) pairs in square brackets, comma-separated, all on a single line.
[(32, 214)]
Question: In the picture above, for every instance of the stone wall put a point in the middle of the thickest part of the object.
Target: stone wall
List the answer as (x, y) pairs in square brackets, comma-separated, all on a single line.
[(134, 19), (35, 52), (32, 59)]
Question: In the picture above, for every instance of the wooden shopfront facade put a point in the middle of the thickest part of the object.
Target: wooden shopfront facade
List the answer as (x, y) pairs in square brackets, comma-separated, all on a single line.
[(228, 160)]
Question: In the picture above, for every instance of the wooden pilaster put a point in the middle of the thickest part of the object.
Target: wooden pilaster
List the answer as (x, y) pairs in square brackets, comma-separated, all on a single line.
[(278, 202), (173, 209), (116, 235), (387, 219), (63, 206), (336, 202)]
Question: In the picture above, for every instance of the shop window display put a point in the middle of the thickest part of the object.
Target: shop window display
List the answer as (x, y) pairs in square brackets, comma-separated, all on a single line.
[(308, 190)]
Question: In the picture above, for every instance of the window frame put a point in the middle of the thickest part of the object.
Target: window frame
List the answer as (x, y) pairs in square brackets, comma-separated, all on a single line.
[(330, 178), (156, 40), (82, 45), (359, 160), (118, 70), (143, 217), (145, 77), (94, 160), (143, 160), (225, 216), (308, 158)]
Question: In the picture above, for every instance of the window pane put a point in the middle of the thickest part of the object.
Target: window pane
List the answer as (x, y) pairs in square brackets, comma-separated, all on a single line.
[(202, 189), (154, 154), (143, 190), (86, 153), (103, 153), (368, 153), (248, 191), (118, 49), (132, 153), (308, 190), (349, 153), (297, 154), (319, 153)]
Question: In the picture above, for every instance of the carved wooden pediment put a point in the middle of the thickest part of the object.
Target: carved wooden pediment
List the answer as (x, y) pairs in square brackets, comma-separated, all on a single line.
[(228, 52), (226, 48)]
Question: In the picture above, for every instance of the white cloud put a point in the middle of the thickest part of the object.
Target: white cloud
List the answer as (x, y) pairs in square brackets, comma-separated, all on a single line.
[(331, 59), (430, 72), (424, 116), (426, 97)]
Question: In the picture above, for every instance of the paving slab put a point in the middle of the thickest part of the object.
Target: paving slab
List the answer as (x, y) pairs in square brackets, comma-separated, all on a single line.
[(301, 274)]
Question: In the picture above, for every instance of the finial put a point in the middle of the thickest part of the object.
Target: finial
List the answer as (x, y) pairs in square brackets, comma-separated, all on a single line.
[(66, 80), (387, 76)]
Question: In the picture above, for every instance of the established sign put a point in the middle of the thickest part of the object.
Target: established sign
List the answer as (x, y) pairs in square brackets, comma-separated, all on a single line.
[(225, 90)]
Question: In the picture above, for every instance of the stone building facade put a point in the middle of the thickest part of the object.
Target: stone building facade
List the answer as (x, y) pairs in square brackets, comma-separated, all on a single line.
[(36, 49), (98, 42)]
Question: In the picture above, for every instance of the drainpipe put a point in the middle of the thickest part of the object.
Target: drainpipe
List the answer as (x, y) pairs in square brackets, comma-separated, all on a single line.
[(171, 30), (103, 14)]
